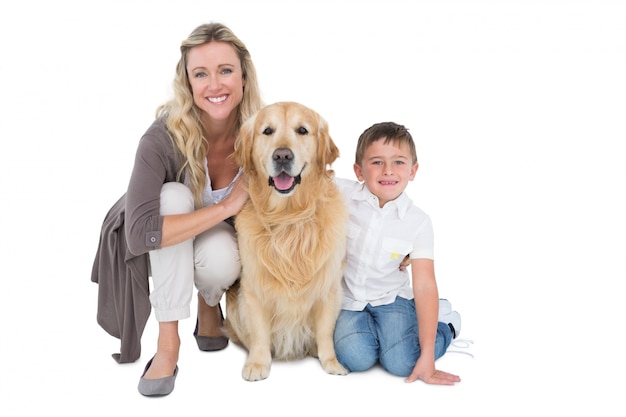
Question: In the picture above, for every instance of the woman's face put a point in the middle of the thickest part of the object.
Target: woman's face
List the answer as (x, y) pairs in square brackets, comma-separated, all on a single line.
[(216, 79)]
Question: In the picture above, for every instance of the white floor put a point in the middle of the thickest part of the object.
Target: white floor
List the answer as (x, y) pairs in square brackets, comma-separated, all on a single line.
[(57, 358), (518, 111), (65, 366)]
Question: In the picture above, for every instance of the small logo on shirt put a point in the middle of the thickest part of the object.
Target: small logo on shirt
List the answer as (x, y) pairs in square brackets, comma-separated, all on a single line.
[(395, 256)]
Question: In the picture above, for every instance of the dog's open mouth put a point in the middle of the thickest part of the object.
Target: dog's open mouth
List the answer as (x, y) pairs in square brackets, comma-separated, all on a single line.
[(284, 183)]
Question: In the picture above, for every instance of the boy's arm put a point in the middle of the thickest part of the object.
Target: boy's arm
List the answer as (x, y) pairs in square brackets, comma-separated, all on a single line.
[(426, 304), (427, 309)]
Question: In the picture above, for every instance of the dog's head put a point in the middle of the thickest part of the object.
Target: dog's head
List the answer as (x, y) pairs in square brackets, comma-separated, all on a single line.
[(282, 144)]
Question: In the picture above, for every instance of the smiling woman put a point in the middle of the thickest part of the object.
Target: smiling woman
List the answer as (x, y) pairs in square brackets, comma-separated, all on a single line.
[(217, 82), (175, 220)]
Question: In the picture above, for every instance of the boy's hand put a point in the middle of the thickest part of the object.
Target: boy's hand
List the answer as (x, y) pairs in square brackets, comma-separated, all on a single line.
[(427, 373)]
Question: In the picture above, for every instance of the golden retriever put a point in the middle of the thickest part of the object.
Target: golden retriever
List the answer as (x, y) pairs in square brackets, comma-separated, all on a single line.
[(292, 241)]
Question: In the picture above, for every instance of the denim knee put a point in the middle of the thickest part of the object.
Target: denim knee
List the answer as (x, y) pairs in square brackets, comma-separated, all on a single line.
[(356, 343), (401, 358), (357, 351)]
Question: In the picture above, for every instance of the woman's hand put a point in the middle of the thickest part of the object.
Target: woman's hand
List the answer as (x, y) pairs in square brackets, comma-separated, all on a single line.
[(405, 262), (238, 196)]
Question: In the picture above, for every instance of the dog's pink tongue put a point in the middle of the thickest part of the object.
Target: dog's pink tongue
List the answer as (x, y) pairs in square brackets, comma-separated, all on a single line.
[(283, 181)]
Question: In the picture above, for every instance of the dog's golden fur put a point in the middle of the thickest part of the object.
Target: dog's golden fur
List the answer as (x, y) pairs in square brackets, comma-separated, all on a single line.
[(292, 237)]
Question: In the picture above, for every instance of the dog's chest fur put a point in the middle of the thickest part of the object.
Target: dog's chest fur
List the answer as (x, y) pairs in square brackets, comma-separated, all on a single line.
[(302, 263)]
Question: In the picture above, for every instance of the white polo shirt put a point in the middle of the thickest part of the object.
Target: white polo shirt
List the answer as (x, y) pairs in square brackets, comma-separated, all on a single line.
[(378, 240)]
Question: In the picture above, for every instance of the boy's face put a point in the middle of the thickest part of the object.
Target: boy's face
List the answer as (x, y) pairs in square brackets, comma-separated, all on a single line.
[(386, 169)]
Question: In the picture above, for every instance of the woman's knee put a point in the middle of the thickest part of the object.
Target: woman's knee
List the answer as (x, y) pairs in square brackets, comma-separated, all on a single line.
[(176, 198), (216, 259)]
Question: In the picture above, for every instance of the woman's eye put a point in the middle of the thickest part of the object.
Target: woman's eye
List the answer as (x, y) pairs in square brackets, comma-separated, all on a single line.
[(199, 75), (226, 71)]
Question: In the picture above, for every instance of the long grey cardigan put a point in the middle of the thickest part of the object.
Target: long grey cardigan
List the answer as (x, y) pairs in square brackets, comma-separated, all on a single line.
[(131, 229)]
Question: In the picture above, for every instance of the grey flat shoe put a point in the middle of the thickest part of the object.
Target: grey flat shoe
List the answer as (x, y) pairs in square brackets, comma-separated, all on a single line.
[(156, 387), (207, 343)]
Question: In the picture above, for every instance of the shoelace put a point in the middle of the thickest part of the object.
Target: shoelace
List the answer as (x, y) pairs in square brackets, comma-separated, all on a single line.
[(461, 344)]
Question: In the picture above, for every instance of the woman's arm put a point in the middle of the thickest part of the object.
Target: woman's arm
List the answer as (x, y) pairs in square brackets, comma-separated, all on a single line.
[(180, 227)]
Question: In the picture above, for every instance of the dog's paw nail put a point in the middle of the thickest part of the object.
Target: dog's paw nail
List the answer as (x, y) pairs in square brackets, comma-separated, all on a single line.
[(255, 372), (333, 367)]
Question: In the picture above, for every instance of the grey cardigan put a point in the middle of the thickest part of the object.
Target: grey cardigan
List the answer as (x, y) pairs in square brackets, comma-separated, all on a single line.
[(131, 229)]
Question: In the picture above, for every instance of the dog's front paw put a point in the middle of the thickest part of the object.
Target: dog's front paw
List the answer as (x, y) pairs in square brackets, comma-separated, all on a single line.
[(333, 367), (255, 371)]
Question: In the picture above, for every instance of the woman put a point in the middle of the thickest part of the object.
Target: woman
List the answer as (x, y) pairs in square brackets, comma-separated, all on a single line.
[(183, 191)]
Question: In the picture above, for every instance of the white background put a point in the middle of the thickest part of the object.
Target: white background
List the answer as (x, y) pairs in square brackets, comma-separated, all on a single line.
[(517, 108)]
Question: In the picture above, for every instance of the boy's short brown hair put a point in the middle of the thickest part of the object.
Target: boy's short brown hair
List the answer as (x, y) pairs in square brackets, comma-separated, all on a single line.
[(392, 132)]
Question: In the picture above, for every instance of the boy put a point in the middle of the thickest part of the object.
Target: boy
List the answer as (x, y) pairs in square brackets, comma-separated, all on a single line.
[(385, 318)]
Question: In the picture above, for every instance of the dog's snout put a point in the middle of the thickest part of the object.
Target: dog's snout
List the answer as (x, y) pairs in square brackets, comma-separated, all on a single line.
[(283, 156)]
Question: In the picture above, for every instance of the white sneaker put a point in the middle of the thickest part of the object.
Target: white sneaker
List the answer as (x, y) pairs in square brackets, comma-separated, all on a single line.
[(446, 315)]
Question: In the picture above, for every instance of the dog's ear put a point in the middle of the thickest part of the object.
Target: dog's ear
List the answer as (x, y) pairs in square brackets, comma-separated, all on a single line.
[(328, 150), (243, 144)]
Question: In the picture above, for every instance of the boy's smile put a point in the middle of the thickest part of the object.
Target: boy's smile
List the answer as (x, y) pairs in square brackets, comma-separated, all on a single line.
[(386, 169)]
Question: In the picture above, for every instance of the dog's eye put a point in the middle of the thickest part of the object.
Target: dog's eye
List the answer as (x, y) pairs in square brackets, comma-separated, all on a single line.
[(302, 130), (268, 131)]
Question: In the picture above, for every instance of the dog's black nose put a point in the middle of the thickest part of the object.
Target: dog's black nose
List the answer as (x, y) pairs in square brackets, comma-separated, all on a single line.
[(282, 156)]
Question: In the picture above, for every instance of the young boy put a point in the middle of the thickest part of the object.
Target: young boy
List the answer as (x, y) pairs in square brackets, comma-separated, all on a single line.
[(384, 318)]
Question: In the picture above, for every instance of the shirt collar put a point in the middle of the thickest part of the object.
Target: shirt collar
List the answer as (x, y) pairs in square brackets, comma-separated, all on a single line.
[(400, 204)]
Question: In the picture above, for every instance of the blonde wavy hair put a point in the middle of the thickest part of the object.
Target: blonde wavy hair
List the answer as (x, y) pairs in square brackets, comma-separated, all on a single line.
[(182, 116)]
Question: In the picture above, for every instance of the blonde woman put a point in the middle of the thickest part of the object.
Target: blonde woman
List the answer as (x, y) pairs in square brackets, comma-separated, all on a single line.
[(175, 221)]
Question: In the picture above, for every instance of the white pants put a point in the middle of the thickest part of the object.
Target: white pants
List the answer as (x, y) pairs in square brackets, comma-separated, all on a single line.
[(210, 261)]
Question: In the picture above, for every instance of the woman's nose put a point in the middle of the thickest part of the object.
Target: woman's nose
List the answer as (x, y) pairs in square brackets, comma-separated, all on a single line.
[(212, 82)]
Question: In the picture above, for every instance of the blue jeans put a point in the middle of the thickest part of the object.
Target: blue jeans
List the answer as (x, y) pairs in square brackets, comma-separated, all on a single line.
[(387, 334)]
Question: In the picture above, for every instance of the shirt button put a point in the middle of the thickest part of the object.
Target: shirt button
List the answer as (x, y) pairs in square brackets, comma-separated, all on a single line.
[(152, 239)]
